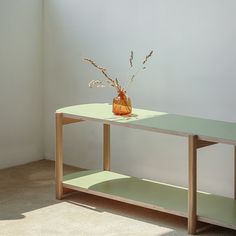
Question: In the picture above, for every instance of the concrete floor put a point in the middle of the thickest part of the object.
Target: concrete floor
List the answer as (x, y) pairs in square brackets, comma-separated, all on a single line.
[(28, 207)]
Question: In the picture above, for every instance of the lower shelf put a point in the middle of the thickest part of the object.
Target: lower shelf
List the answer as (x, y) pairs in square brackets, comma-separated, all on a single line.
[(154, 195)]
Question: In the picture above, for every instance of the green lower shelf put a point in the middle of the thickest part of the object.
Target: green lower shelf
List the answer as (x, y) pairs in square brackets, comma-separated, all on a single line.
[(159, 196)]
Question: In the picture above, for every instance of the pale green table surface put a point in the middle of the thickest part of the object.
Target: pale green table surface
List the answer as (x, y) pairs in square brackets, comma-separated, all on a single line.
[(206, 129), (164, 196)]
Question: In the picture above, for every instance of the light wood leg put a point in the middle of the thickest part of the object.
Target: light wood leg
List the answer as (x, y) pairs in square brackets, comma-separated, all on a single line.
[(192, 191), (234, 172), (59, 156), (106, 146)]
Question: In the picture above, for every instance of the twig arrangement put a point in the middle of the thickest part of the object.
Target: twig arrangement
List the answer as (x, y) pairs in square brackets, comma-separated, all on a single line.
[(114, 82)]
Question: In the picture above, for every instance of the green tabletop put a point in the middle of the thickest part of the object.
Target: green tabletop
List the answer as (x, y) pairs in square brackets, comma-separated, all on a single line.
[(206, 129)]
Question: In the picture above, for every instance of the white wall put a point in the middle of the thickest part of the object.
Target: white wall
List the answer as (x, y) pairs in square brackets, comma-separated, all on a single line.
[(192, 72), (20, 82)]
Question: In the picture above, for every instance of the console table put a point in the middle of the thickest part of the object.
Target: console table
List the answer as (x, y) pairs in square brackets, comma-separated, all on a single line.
[(186, 202)]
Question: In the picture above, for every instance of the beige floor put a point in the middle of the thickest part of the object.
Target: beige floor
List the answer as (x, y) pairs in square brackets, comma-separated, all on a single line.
[(28, 207)]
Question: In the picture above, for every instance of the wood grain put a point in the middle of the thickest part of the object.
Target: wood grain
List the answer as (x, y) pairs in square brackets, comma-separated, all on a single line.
[(59, 156), (106, 147), (192, 191)]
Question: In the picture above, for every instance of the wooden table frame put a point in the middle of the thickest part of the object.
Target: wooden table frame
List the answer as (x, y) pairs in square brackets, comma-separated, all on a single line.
[(194, 143)]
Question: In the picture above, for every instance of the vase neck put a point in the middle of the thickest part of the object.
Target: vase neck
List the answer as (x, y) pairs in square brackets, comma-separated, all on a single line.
[(122, 93)]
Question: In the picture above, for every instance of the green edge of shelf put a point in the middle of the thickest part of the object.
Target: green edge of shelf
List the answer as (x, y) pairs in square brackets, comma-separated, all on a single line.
[(154, 195)]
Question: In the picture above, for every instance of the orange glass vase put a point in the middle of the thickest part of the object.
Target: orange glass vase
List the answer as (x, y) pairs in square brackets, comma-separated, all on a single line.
[(122, 104)]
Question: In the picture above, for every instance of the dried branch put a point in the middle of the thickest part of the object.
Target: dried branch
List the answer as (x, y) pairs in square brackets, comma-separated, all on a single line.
[(113, 83), (131, 59), (131, 79), (94, 64), (146, 58), (95, 83)]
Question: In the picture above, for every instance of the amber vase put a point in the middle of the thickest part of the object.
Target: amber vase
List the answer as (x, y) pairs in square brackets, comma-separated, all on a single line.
[(122, 104)]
